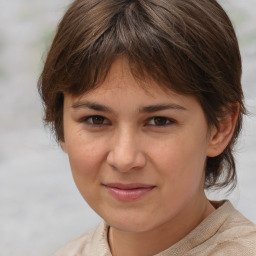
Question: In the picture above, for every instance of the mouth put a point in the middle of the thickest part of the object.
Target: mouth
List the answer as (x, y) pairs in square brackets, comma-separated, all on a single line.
[(128, 192)]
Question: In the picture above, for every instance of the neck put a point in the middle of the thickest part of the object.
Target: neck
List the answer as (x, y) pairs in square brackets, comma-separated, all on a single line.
[(160, 238)]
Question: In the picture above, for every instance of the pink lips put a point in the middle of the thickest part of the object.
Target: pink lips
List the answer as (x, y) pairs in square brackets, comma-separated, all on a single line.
[(128, 192)]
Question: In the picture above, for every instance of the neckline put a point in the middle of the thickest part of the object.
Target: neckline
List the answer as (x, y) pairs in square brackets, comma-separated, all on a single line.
[(206, 229)]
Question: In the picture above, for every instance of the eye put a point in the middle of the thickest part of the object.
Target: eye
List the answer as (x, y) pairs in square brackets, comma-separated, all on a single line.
[(160, 121), (96, 120)]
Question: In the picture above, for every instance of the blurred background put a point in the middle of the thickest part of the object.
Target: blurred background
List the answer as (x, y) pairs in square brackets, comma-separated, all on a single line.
[(40, 207)]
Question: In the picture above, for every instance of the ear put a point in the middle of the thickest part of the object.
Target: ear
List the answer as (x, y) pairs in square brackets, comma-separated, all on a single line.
[(221, 136), (63, 146)]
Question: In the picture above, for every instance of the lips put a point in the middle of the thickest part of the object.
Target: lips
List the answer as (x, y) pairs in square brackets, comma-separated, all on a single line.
[(128, 192)]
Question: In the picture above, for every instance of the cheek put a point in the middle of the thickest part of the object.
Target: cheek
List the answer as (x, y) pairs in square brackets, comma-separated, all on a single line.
[(86, 161), (180, 158), (86, 156)]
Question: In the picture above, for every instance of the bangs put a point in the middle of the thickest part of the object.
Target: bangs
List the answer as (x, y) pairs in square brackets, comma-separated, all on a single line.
[(155, 46)]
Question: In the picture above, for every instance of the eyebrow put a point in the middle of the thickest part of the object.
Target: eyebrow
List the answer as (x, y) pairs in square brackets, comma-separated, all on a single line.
[(145, 109), (159, 107), (91, 105)]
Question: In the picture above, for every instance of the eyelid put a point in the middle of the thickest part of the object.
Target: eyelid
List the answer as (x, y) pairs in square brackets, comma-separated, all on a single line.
[(87, 118), (169, 121)]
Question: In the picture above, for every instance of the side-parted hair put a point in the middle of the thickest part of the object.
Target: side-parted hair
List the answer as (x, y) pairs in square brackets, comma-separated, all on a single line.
[(187, 46)]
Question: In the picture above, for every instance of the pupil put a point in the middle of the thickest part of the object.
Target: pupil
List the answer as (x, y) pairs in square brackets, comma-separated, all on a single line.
[(98, 120), (160, 121)]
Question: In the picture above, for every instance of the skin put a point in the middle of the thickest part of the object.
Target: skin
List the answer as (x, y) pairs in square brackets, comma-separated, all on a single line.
[(126, 144)]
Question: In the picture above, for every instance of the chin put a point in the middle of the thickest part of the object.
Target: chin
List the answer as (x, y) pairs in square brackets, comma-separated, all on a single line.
[(134, 224), (130, 227)]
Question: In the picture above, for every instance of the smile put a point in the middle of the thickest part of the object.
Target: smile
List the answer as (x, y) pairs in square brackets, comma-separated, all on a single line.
[(128, 192)]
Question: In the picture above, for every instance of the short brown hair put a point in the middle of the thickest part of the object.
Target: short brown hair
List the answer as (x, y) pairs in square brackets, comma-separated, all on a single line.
[(187, 46)]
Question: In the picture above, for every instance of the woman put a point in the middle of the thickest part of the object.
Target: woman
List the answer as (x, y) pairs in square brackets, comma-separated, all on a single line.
[(145, 98)]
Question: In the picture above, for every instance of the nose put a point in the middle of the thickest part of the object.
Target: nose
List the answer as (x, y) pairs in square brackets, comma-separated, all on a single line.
[(126, 153)]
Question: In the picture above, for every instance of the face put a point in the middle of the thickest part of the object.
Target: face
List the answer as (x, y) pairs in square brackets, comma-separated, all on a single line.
[(137, 156)]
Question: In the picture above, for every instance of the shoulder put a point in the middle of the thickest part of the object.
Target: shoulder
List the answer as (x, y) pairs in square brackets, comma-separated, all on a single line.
[(92, 242), (235, 236)]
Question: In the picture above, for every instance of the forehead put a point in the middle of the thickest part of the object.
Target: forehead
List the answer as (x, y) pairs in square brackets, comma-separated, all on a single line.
[(121, 91), (124, 76), (120, 79)]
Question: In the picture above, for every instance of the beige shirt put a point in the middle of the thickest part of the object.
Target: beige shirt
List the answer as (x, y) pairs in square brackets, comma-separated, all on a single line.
[(226, 232)]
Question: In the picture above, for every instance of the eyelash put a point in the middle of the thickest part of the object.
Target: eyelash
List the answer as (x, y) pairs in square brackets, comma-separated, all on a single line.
[(89, 120), (166, 121)]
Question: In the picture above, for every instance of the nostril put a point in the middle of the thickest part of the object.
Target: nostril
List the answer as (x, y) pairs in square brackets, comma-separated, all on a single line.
[(126, 163)]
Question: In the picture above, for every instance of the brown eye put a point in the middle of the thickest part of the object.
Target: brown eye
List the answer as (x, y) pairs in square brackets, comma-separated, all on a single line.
[(98, 120), (160, 121)]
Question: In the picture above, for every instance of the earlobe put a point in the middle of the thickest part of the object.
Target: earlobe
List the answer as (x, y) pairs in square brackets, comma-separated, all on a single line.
[(221, 136), (63, 146)]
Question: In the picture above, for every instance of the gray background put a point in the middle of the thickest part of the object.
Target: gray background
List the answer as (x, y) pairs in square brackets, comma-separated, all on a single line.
[(40, 208)]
